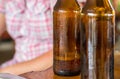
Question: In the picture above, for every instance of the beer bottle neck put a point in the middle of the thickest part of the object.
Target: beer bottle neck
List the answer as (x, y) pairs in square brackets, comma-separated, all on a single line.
[(66, 2), (67, 5), (98, 6), (98, 2), (63, 1)]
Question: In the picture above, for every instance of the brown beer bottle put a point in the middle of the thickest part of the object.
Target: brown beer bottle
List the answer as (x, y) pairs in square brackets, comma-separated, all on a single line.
[(97, 40), (66, 22)]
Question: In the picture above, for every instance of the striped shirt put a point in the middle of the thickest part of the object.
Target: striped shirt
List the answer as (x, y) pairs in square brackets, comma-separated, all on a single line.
[(29, 23)]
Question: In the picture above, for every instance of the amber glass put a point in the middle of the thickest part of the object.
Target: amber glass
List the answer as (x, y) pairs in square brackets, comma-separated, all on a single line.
[(66, 22), (97, 40)]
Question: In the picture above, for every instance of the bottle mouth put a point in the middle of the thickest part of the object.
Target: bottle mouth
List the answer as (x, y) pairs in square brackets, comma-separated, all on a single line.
[(9, 76)]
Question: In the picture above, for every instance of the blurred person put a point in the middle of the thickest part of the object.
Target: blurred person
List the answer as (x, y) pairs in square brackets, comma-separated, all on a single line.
[(29, 23)]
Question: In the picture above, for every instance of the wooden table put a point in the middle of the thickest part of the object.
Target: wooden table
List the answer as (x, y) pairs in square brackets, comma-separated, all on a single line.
[(48, 74)]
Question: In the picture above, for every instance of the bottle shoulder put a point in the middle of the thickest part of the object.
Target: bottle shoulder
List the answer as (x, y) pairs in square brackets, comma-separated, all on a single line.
[(96, 9), (67, 10), (67, 7)]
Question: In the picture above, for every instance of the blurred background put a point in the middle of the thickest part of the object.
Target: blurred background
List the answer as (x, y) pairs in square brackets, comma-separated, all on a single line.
[(7, 44)]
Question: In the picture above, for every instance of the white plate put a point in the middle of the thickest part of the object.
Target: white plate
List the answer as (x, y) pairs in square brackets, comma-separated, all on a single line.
[(9, 76)]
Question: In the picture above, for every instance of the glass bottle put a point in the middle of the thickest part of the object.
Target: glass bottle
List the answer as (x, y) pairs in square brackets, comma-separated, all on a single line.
[(97, 40), (66, 22)]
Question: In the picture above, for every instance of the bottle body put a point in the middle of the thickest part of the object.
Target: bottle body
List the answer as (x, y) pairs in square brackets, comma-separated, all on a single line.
[(97, 42), (66, 42)]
